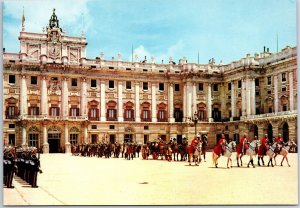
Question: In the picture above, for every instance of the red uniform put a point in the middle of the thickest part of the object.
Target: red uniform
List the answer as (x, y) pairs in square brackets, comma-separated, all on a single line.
[(262, 150), (220, 148), (243, 141), (193, 145), (278, 140)]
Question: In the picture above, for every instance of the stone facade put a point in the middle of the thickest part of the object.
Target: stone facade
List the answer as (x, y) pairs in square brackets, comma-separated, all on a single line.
[(54, 96)]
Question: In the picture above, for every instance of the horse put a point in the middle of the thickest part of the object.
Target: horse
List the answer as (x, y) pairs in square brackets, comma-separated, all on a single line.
[(284, 152), (262, 150), (195, 153), (253, 146), (175, 150), (145, 152), (168, 152), (228, 152), (183, 150), (271, 152)]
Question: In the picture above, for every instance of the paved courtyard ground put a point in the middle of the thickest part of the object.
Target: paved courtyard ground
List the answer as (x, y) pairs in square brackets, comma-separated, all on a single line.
[(74, 180)]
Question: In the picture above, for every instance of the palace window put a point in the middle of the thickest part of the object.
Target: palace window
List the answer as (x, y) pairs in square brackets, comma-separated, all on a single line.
[(94, 126), (177, 87), (239, 83), (11, 126), (257, 82), (93, 113), (161, 86), (74, 82), (11, 112), (283, 77), (74, 111), (54, 111), (146, 115), (216, 87), (178, 115), (93, 83), (33, 111), (111, 114), (111, 84), (200, 86), (145, 85), (129, 115), (33, 140), (128, 85), (162, 116), (284, 108), (269, 80), (229, 86), (146, 127), (111, 127), (73, 139), (11, 79), (283, 89), (12, 139), (34, 80), (270, 109)]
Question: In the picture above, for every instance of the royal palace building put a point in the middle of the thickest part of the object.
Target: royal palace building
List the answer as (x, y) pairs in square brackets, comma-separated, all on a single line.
[(55, 96)]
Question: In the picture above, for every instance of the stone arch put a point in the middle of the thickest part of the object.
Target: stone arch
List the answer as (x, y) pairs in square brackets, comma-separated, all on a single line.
[(54, 129), (283, 128), (74, 130), (33, 129)]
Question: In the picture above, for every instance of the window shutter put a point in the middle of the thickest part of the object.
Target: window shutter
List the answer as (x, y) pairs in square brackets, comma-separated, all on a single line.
[(97, 113), (70, 112), (50, 112), (77, 111), (90, 113), (37, 111), (57, 111), (29, 110)]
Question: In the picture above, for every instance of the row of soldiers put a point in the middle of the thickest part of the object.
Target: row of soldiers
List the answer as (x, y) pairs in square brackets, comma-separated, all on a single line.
[(23, 162)]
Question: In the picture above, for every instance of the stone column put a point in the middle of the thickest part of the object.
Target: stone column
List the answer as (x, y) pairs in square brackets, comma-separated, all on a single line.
[(253, 100), (275, 93), (209, 103), (233, 102), (171, 103), (120, 101), (102, 101), (248, 97), (137, 102), (24, 137), (83, 103), (194, 102), (153, 105), (189, 100), (23, 96), (64, 98), (67, 142), (243, 97), (44, 97), (184, 101), (291, 87), (85, 134), (45, 138)]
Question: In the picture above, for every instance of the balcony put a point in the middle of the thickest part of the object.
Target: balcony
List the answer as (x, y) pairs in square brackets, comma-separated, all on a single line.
[(111, 119), (34, 117), (270, 115), (146, 119), (77, 118), (93, 118), (11, 116)]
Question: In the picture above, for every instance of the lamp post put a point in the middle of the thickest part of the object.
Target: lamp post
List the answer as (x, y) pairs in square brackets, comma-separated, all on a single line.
[(195, 119)]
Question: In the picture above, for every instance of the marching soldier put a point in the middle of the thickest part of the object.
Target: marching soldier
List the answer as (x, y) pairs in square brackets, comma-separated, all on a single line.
[(9, 167), (34, 169), (222, 144)]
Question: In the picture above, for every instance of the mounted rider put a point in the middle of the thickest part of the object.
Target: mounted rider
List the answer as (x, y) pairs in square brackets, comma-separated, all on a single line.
[(263, 146), (244, 142), (194, 144), (222, 144), (279, 141)]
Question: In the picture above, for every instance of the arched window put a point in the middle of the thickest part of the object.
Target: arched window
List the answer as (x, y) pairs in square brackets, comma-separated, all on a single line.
[(128, 111), (93, 110), (146, 113), (162, 113), (111, 114), (11, 108), (33, 140), (74, 133)]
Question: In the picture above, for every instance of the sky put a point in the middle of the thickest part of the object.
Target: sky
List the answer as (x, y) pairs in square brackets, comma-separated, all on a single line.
[(225, 30)]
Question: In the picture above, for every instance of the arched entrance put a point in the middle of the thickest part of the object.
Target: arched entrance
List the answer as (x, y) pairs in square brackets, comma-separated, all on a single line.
[(54, 134), (270, 132), (285, 132)]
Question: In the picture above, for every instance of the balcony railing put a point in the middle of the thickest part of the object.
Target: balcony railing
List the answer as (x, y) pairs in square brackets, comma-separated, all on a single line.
[(146, 119), (129, 119), (34, 117), (111, 119), (77, 118), (94, 118)]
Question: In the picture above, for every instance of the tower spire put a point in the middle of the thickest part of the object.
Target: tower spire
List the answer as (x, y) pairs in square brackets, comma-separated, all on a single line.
[(23, 21)]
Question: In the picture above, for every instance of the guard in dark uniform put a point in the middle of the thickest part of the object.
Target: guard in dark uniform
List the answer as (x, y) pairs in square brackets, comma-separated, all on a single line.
[(9, 167), (34, 169)]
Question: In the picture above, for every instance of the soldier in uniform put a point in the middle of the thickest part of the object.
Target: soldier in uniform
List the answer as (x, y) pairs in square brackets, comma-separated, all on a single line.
[(279, 141), (222, 144), (244, 144), (34, 169), (9, 166), (262, 150)]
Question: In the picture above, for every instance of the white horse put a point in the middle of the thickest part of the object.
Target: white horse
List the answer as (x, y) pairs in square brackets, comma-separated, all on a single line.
[(228, 152), (252, 151), (197, 154), (271, 153), (284, 152)]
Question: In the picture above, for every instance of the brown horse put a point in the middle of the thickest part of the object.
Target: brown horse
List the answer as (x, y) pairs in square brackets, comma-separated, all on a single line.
[(145, 152), (175, 150)]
